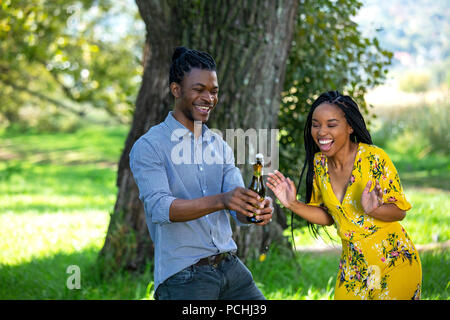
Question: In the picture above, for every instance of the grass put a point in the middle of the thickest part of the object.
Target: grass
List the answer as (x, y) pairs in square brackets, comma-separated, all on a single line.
[(56, 193)]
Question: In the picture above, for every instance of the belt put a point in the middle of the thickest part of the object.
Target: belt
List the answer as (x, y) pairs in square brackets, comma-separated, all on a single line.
[(213, 260)]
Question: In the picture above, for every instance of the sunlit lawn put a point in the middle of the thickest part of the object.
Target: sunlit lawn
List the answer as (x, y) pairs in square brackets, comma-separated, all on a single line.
[(56, 194)]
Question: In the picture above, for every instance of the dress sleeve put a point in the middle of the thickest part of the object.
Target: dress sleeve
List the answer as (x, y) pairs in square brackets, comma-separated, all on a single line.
[(316, 195), (390, 183)]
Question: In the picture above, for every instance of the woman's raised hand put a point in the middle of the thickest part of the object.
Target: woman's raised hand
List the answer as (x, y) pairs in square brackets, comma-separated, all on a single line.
[(283, 188), (372, 200)]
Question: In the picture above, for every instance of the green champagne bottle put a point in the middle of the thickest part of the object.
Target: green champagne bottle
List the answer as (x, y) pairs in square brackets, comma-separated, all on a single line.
[(257, 184)]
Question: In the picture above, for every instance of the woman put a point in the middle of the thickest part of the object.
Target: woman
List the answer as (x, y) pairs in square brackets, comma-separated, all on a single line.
[(353, 184)]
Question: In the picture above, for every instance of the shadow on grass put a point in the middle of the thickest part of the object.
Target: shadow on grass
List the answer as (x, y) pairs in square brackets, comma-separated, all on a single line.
[(427, 172), (426, 181), (46, 278), (32, 179), (90, 143), (45, 208)]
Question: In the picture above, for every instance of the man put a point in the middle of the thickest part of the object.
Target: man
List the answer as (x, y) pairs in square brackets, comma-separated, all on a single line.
[(188, 193)]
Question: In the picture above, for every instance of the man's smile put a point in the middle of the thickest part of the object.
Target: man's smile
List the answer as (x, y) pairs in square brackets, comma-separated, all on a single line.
[(204, 109)]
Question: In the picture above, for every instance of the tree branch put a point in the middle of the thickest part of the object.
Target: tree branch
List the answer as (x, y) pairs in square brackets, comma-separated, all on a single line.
[(43, 97)]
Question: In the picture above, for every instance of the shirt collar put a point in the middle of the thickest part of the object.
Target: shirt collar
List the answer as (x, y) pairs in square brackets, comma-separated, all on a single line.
[(179, 130)]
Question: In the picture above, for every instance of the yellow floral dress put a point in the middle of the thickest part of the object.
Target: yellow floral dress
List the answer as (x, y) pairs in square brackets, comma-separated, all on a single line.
[(379, 260)]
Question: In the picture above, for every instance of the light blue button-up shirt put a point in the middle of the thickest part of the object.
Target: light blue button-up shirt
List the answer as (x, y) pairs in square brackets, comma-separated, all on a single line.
[(169, 163)]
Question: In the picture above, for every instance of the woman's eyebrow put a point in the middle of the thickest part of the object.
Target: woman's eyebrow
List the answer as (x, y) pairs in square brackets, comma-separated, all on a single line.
[(329, 120)]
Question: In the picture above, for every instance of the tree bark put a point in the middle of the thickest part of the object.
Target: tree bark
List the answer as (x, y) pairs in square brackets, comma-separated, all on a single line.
[(250, 41)]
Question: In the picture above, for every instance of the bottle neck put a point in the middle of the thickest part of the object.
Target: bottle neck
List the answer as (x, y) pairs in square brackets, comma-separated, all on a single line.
[(257, 168)]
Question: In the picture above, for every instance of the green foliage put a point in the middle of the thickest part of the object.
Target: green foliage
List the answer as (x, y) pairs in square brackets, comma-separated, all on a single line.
[(58, 57), (329, 53)]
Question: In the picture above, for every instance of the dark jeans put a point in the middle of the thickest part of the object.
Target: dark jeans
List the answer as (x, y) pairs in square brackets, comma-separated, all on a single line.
[(230, 280)]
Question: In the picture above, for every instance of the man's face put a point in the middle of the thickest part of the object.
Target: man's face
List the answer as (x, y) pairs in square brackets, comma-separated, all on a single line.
[(196, 96)]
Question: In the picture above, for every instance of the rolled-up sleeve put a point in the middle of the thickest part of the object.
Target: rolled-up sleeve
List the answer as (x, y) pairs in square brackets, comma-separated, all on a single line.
[(150, 176)]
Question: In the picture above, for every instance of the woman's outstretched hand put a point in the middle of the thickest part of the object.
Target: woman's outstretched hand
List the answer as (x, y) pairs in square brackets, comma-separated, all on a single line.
[(283, 188), (372, 200)]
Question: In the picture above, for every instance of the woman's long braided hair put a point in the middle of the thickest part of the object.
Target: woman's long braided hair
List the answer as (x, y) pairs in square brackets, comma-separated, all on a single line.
[(360, 134)]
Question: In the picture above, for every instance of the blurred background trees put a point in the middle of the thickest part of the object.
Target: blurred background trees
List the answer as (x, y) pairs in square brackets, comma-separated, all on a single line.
[(84, 58), (64, 58)]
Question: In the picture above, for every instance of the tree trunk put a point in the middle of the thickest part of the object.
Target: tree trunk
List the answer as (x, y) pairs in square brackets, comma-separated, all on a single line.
[(250, 42)]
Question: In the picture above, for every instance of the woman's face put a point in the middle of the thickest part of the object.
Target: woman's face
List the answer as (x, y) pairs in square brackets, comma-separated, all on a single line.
[(329, 129)]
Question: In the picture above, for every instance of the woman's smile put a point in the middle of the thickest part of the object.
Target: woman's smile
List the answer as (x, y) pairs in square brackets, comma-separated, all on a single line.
[(330, 129), (325, 144)]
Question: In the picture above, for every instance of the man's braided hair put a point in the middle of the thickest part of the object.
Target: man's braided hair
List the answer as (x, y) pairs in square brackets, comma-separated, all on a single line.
[(184, 59)]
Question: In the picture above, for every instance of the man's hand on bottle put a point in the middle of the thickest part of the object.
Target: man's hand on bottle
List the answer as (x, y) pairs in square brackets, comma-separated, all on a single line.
[(266, 212), (248, 203)]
